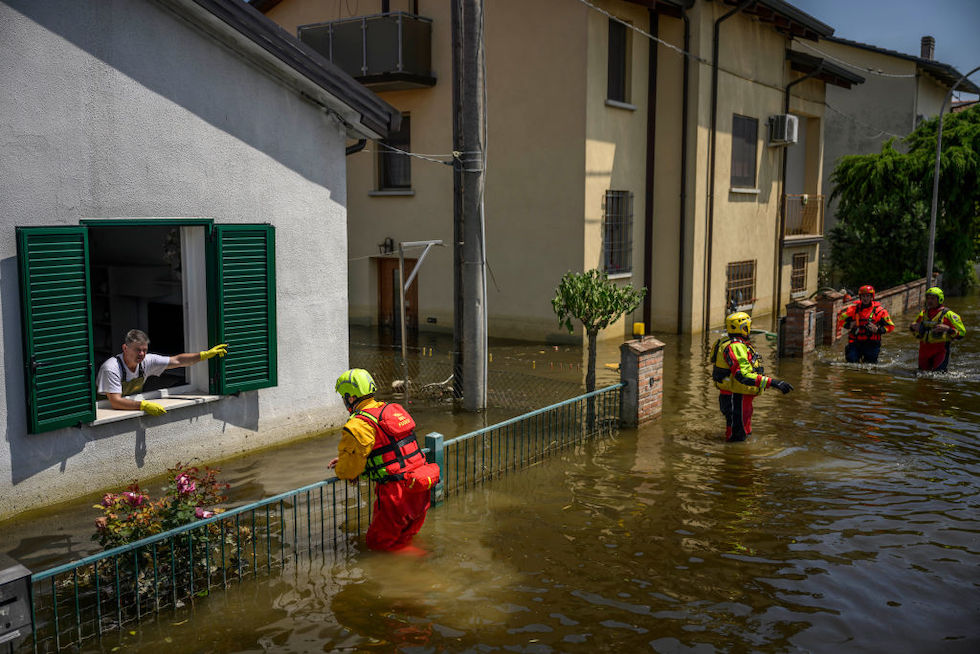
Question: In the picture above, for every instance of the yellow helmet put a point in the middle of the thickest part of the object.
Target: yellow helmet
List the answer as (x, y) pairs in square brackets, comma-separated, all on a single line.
[(938, 292), (739, 323), (355, 384)]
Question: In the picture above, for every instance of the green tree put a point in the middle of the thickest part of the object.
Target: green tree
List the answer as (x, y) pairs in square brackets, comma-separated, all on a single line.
[(596, 302), (883, 215)]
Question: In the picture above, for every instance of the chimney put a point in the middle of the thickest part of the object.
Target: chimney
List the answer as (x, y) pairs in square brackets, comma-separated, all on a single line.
[(928, 48)]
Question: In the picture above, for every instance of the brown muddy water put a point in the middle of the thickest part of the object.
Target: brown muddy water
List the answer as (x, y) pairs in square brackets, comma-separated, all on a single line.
[(850, 521)]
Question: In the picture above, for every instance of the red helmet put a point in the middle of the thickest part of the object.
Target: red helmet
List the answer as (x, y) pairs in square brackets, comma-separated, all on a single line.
[(867, 288)]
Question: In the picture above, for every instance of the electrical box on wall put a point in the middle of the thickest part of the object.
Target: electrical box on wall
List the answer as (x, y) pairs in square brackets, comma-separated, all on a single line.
[(783, 129)]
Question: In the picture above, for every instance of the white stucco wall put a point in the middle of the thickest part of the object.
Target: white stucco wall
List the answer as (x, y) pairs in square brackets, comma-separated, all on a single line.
[(122, 109)]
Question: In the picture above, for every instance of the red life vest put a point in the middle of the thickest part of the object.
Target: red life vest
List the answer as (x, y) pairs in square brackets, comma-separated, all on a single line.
[(861, 316), (396, 450)]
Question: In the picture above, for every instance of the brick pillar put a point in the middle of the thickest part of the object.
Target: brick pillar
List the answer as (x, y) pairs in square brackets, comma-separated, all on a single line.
[(831, 303), (641, 368), (801, 323)]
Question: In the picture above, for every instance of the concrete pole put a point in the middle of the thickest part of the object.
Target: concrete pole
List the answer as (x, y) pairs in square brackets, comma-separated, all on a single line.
[(471, 159), (935, 180)]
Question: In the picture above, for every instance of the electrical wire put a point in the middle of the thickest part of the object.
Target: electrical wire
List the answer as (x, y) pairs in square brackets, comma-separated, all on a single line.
[(863, 69)]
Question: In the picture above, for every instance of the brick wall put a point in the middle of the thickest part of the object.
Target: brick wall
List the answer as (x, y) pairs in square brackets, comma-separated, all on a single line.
[(641, 368), (801, 328)]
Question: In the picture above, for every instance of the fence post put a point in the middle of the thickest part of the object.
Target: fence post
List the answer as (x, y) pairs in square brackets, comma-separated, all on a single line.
[(435, 454), (800, 327), (641, 369), (831, 303)]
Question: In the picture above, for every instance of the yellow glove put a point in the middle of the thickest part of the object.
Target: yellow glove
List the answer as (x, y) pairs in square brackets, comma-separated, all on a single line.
[(217, 350), (152, 408)]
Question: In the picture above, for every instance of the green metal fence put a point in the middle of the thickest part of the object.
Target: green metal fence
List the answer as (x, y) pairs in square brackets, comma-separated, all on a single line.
[(517, 443), (103, 592)]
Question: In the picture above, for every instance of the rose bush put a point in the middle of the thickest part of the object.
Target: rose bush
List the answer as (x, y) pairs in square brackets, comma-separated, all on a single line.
[(191, 494)]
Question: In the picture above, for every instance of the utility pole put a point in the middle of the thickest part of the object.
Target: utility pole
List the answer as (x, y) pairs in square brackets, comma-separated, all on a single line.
[(469, 251)]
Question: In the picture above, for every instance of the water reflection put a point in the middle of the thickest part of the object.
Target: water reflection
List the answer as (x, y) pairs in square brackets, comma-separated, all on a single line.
[(849, 521)]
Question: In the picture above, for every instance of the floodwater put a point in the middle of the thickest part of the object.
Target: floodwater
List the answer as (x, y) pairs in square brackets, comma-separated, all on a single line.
[(850, 521)]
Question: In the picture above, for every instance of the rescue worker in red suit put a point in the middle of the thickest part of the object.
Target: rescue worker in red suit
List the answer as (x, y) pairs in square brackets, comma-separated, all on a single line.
[(738, 376), (935, 327), (379, 441), (866, 320)]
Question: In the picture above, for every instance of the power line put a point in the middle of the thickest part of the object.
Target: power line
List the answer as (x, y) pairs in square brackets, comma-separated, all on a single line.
[(863, 69)]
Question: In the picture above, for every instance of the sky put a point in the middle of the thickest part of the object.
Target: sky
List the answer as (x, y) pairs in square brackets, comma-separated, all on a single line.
[(900, 25)]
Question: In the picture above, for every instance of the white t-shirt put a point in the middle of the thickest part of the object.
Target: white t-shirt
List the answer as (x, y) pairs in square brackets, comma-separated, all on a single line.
[(109, 382)]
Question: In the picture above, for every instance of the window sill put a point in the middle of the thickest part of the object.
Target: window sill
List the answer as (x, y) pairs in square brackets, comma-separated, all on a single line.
[(743, 190), (620, 105), (622, 275), (392, 193), (171, 398)]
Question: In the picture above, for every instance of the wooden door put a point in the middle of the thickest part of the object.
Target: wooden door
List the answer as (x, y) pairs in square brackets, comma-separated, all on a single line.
[(388, 296)]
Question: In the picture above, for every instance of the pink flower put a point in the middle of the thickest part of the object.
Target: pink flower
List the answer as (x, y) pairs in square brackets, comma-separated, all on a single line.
[(134, 499), (108, 499), (185, 485), (101, 523), (202, 514)]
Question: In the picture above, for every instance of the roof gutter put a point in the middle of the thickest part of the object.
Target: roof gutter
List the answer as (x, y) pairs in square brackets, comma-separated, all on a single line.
[(709, 234)]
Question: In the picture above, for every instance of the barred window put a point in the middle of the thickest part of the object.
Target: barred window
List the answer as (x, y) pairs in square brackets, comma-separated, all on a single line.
[(740, 284), (745, 132), (797, 277), (395, 168), (617, 232)]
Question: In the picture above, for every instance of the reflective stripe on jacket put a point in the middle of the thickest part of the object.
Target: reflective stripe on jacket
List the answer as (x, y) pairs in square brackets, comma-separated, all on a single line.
[(396, 450), (925, 324), (737, 367), (860, 316)]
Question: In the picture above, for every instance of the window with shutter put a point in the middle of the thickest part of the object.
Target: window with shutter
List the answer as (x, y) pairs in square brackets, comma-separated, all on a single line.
[(243, 297), (57, 326)]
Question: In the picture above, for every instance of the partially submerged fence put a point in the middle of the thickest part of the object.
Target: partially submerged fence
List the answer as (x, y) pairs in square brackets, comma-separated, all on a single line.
[(103, 592)]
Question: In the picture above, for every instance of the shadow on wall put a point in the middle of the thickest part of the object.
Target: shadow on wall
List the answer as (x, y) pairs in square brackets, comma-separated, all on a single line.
[(119, 33)]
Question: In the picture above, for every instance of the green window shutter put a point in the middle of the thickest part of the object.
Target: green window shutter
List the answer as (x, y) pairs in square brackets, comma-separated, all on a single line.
[(57, 326), (242, 295)]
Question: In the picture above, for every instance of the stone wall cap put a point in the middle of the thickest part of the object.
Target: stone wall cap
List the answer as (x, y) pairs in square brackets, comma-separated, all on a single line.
[(830, 295), (801, 304), (645, 344)]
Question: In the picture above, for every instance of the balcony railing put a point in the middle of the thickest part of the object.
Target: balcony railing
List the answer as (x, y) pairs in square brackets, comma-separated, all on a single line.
[(386, 52), (804, 215)]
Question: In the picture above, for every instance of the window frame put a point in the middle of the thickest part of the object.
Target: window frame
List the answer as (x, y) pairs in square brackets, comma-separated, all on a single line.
[(744, 141), (619, 51), (387, 158), (617, 232), (218, 287), (797, 276), (736, 274)]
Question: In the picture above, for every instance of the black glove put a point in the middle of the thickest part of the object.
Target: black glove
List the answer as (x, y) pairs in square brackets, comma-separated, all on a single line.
[(784, 387)]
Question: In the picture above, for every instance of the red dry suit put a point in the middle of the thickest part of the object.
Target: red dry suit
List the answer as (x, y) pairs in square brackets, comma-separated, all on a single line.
[(403, 478)]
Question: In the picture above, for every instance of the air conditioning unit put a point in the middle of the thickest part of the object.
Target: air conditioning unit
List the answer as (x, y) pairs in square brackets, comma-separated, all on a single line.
[(783, 129)]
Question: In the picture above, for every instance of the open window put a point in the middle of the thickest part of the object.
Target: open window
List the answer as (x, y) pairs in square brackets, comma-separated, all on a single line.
[(186, 282)]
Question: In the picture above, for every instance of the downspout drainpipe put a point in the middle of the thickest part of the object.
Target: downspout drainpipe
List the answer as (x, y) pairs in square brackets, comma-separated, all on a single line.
[(683, 190), (781, 223), (709, 233), (650, 172), (357, 147)]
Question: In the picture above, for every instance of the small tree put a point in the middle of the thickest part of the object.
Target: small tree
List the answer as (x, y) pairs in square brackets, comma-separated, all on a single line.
[(595, 301)]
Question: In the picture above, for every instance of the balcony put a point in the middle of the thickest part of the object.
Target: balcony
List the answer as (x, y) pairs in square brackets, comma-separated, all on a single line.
[(804, 217), (385, 52)]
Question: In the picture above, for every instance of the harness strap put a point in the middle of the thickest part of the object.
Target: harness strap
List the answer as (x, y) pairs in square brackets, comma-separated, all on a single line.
[(123, 370)]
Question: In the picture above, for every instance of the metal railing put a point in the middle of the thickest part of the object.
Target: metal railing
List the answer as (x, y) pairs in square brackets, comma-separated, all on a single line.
[(101, 593), (804, 215), (517, 443)]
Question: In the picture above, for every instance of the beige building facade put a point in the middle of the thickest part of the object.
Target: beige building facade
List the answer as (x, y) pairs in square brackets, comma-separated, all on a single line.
[(606, 148)]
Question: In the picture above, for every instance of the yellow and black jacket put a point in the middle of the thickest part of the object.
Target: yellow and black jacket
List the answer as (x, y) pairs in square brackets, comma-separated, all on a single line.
[(738, 367), (927, 321)]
